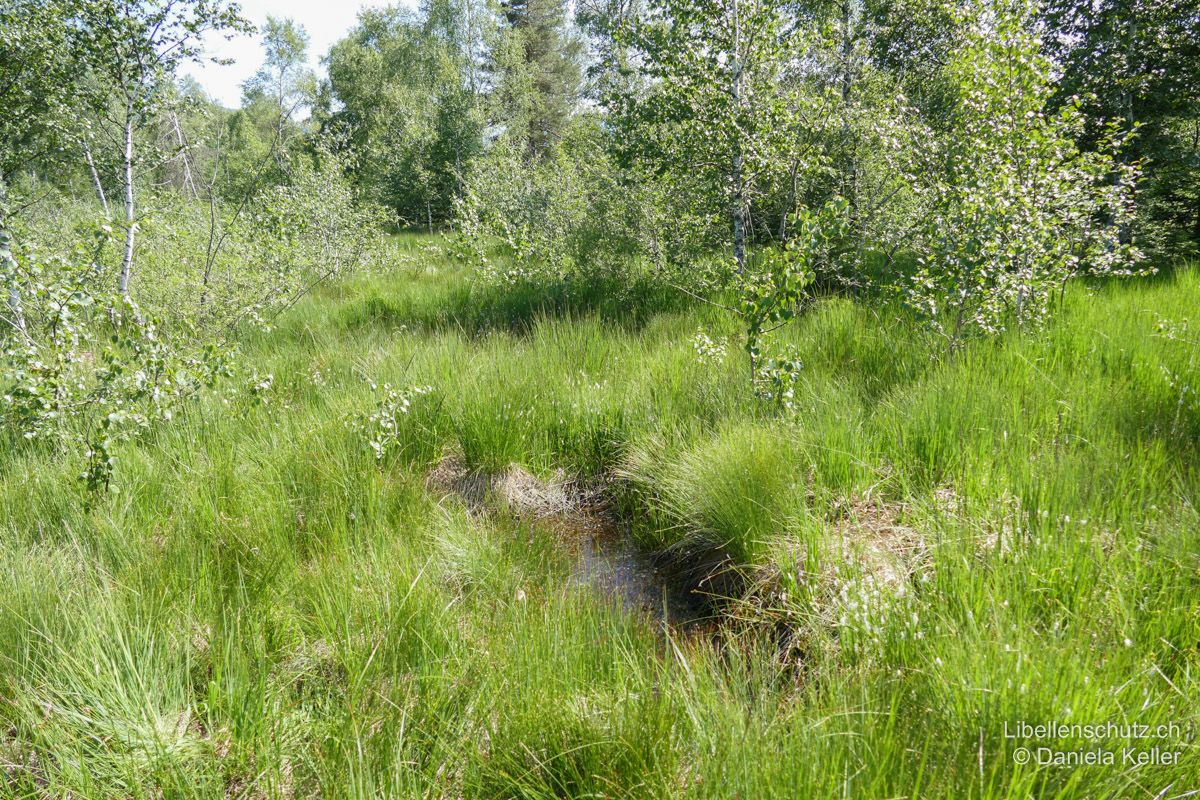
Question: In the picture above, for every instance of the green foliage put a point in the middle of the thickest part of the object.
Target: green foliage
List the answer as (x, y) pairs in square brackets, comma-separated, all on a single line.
[(135, 49), (292, 237), (404, 107), (1139, 61), (722, 101), (770, 295), (536, 68), (284, 76), (40, 69), (255, 146), (88, 369), (575, 217), (381, 428), (1015, 207)]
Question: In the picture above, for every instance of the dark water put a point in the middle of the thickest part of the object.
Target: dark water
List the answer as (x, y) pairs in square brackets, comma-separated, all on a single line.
[(607, 560)]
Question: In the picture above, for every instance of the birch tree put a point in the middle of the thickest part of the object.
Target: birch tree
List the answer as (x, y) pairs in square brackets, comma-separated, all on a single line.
[(724, 97), (401, 85), (284, 77), (135, 49), (1016, 208)]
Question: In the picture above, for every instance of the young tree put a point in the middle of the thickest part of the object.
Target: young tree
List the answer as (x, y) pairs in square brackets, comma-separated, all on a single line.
[(284, 77), (849, 150), (464, 26), (722, 99), (134, 49), (257, 140), (401, 87), (728, 97), (1016, 208)]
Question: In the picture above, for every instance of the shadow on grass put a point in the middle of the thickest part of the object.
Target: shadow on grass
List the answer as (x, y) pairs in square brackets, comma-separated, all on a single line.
[(476, 309)]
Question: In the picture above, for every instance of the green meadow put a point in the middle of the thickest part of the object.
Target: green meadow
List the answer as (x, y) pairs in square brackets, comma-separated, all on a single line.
[(883, 581)]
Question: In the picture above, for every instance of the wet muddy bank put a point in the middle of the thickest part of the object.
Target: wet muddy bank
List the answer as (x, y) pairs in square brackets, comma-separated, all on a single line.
[(679, 590)]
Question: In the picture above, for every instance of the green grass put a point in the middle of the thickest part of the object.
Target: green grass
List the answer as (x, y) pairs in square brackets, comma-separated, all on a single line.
[(263, 611)]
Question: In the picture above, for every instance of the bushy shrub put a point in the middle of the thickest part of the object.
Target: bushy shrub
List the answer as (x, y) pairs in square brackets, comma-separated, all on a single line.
[(84, 367), (290, 237), (1015, 207), (576, 217)]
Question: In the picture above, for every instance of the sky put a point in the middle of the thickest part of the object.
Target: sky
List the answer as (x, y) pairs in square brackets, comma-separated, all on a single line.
[(325, 20)]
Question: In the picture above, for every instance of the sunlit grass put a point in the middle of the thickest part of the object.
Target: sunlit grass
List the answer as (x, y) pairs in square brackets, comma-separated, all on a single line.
[(265, 610)]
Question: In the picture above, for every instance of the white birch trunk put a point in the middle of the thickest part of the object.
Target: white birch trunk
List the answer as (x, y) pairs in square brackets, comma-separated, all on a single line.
[(737, 165), (8, 265), (130, 210), (99, 187), (188, 182)]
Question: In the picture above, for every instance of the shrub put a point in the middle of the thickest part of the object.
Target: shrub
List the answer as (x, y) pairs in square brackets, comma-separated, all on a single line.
[(1016, 207), (88, 368), (576, 217)]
